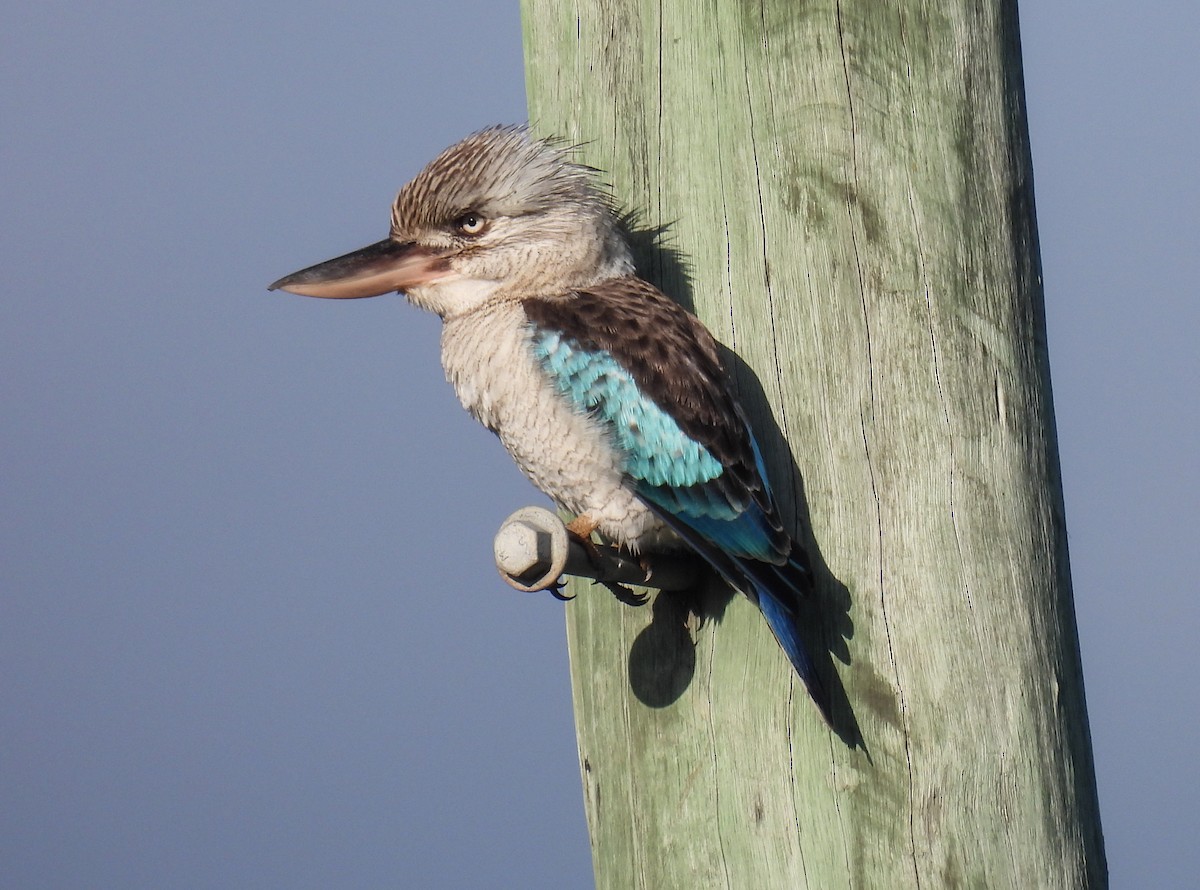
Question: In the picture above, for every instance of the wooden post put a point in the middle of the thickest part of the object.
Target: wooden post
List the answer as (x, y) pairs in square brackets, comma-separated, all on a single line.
[(849, 186)]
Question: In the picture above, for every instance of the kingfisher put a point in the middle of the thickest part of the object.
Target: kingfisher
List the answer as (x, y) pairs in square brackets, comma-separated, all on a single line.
[(610, 396)]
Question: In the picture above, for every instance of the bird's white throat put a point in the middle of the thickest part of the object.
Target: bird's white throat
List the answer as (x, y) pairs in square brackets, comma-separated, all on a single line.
[(453, 296)]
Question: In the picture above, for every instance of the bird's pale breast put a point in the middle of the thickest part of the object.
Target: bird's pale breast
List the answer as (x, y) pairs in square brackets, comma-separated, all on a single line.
[(488, 357)]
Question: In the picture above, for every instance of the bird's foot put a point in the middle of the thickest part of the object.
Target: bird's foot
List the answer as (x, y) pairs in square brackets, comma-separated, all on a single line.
[(626, 595), (581, 528)]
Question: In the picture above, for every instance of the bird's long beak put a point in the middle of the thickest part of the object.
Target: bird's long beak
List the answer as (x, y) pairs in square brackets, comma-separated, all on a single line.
[(377, 269)]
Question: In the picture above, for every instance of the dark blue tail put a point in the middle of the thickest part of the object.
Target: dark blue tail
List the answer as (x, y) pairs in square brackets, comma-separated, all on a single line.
[(778, 590)]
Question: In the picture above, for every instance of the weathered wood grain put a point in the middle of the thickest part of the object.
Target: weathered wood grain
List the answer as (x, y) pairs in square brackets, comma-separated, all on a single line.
[(850, 187)]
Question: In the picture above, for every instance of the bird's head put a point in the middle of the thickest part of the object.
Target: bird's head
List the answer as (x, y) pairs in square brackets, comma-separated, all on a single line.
[(499, 214)]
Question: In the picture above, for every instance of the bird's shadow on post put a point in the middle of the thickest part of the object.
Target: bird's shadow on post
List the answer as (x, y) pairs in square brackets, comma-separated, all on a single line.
[(662, 659)]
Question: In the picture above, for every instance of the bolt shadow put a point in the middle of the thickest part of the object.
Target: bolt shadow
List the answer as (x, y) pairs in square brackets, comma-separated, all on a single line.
[(662, 659)]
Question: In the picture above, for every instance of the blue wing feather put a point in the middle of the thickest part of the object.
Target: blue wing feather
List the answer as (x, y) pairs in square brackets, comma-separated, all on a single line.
[(725, 513), (656, 451)]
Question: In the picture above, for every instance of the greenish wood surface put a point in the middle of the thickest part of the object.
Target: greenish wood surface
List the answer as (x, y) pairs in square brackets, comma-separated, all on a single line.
[(849, 184)]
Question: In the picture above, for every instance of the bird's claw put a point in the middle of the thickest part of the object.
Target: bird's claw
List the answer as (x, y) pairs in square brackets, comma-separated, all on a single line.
[(626, 595), (646, 567), (556, 591)]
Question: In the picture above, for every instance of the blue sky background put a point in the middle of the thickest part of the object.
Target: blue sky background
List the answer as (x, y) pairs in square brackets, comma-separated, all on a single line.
[(250, 630)]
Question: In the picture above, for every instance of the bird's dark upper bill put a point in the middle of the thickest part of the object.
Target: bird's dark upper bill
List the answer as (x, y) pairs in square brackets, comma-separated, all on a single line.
[(380, 268)]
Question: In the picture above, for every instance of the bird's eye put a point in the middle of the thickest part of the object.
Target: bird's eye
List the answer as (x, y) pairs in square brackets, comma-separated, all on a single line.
[(470, 224)]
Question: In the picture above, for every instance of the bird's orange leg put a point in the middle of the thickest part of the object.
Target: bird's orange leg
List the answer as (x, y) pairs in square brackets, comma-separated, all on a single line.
[(581, 528)]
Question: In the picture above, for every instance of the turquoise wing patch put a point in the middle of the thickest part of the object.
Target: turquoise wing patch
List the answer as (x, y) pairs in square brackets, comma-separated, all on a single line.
[(656, 451)]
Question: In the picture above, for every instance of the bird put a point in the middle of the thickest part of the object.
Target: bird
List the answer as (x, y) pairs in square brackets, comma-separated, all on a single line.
[(610, 396)]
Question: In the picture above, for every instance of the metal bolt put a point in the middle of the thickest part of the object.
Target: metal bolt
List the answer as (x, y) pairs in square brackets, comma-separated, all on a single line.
[(533, 550)]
